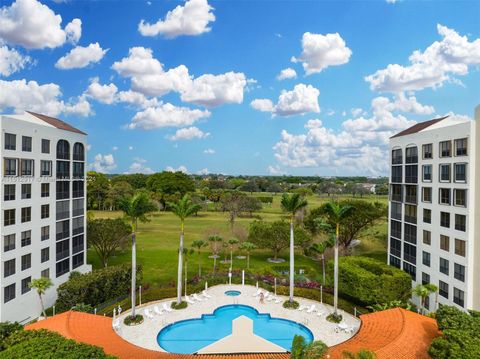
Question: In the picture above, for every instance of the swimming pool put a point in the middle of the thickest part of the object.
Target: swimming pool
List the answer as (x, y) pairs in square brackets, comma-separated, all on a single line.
[(233, 293), (189, 336)]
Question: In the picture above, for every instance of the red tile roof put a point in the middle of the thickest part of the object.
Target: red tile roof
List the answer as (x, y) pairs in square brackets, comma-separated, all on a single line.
[(419, 127), (56, 123)]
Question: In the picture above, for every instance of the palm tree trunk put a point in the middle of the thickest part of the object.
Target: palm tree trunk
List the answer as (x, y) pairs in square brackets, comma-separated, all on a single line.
[(214, 263), (43, 307), (199, 266), (180, 267), (248, 261), (323, 268), (292, 264), (231, 260), (134, 270), (335, 275)]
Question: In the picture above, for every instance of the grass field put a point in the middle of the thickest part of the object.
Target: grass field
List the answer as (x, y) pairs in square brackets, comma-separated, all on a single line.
[(157, 242)]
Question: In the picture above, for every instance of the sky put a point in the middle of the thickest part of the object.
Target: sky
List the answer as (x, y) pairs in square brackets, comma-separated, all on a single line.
[(240, 87)]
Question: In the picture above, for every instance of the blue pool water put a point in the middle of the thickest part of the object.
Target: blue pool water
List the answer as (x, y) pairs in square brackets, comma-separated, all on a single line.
[(233, 293), (189, 336)]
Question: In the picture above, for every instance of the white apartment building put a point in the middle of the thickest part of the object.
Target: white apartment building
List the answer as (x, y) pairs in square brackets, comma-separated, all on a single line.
[(43, 201), (435, 206)]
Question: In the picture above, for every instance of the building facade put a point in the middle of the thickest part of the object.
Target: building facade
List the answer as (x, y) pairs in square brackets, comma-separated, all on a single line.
[(43, 210), (434, 201)]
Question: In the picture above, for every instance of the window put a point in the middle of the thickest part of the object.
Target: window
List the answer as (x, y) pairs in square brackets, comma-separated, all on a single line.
[(78, 189), (45, 254), (63, 209), (444, 266), (78, 243), (427, 215), (458, 297), (444, 196), (9, 192), (77, 260), (427, 237), (425, 278), (411, 194), (411, 174), (426, 258), (78, 152), (409, 253), (8, 217), (427, 151), (9, 293), (62, 267), (79, 209), (26, 191), (394, 261), (45, 211), (410, 213), (460, 174), (445, 148), (10, 141), (45, 189), (395, 247), (77, 225), (63, 169), (460, 222), (26, 239), (45, 273), (427, 173), (444, 243), (46, 168), (26, 261), (396, 174), (396, 192), (26, 167), (410, 269), (427, 194), (445, 219), (45, 233), (26, 214), (459, 272), (26, 144), (78, 170), (411, 155), (63, 230), (396, 229), (9, 242), (396, 210), (460, 247), (445, 173), (63, 249), (26, 285), (460, 197), (63, 150), (45, 146), (397, 157), (10, 166), (63, 190), (8, 268), (443, 289), (461, 147)]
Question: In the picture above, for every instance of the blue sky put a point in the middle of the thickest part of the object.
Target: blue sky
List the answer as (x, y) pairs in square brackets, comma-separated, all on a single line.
[(196, 85)]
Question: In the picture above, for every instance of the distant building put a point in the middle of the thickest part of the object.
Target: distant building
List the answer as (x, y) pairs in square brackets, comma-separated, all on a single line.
[(42, 209), (434, 233)]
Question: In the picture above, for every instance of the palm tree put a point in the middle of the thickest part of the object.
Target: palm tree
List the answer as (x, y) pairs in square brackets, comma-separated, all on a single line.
[(292, 204), (135, 209), (186, 254), (320, 249), (215, 241), (248, 247), (423, 291), (41, 285), (336, 213), (182, 209), (231, 244), (361, 354), (199, 244)]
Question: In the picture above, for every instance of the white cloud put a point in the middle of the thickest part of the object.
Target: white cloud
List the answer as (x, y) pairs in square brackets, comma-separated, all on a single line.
[(34, 25), (302, 99), (192, 18), (203, 171), (12, 61), (139, 166), (275, 170), (391, 1), (179, 169), (140, 61), (287, 73), (81, 57), (130, 148), (103, 163), (356, 111), (315, 123), (21, 95), (136, 99), (101, 93), (322, 51), (166, 115), (114, 148), (188, 133), (431, 68), (209, 151)]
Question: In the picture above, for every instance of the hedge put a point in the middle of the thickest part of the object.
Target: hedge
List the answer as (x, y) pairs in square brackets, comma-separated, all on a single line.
[(45, 344), (369, 281), (96, 287), (265, 199)]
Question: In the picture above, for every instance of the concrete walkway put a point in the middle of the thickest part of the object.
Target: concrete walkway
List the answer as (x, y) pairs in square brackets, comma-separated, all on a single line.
[(145, 334)]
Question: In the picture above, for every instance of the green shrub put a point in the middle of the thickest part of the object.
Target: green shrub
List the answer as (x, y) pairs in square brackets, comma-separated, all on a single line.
[(130, 320), (183, 304), (265, 199), (334, 318), (291, 305), (96, 287), (81, 307), (7, 329), (369, 281), (45, 344)]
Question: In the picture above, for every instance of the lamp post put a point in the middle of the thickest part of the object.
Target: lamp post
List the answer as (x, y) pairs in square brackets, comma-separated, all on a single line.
[(275, 284)]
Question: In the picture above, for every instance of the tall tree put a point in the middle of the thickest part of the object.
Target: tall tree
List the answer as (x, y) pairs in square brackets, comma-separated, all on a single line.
[(215, 241), (423, 291), (135, 209), (97, 189), (292, 204), (232, 242), (106, 235), (248, 247), (183, 209), (269, 235), (320, 249), (41, 285), (336, 213), (198, 244)]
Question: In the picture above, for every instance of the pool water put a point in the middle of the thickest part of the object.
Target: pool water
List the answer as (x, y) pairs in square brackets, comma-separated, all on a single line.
[(189, 336), (233, 293)]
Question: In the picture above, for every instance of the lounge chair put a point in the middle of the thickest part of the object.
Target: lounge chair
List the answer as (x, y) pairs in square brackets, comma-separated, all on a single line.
[(311, 309), (167, 308), (257, 293), (148, 314), (116, 324), (197, 298), (205, 294), (277, 300), (157, 310), (302, 307), (320, 313), (189, 301), (269, 297)]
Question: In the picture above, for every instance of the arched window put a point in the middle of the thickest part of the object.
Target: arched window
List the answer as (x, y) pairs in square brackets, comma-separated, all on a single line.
[(63, 150), (78, 152)]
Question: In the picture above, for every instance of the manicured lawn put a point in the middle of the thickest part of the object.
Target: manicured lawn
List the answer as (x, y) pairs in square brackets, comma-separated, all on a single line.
[(157, 242)]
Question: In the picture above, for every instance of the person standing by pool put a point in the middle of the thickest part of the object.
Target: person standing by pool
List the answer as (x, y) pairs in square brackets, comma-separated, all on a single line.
[(261, 298)]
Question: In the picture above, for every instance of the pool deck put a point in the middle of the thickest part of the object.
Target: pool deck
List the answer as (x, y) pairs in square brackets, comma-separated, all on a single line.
[(145, 334)]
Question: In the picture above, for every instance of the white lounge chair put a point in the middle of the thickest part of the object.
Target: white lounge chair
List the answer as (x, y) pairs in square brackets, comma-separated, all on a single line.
[(116, 324), (205, 294), (257, 293), (189, 301), (157, 310), (311, 309), (197, 298), (269, 297), (277, 300), (302, 307), (148, 314), (320, 313), (167, 308)]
